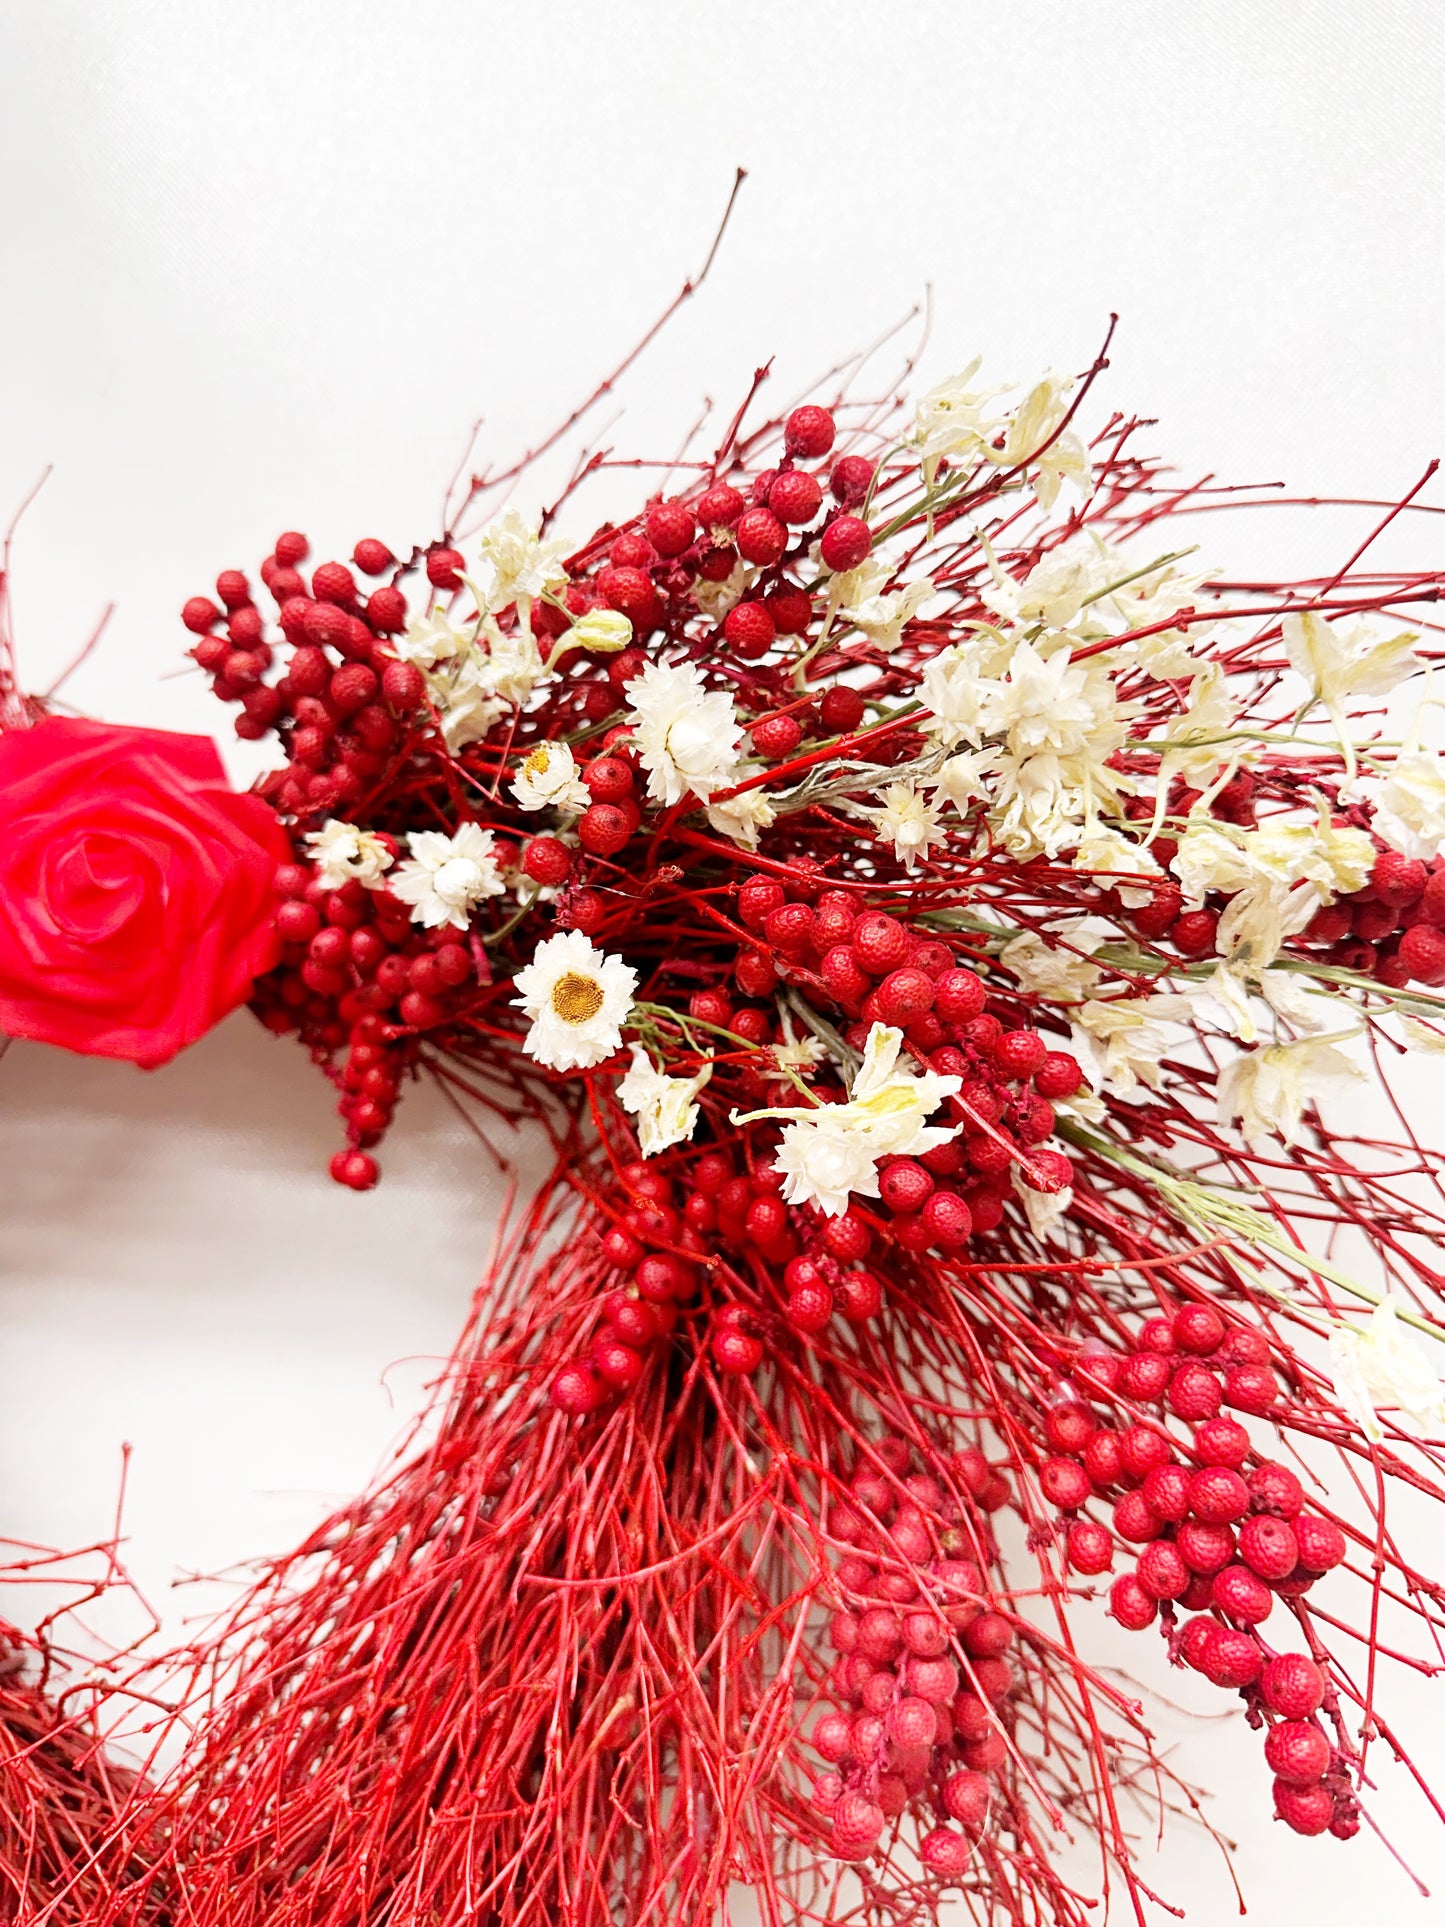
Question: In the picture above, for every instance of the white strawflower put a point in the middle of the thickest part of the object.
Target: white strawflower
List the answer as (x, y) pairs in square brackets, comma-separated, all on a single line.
[(1105, 851), (954, 690), (665, 1107), (1036, 434), (824, 1160), (549, 780), (1043, 1209), (953, 420), (345, 854), (909, 822), (513, 665), (686, 736), (578, 999), (447, 875), (882, 617), (465, 704), (1267, 1090), (1382, 1366), (743, 817)]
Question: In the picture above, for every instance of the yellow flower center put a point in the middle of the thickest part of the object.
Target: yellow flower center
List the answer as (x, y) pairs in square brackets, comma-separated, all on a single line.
[(576, 998), (538, 763)]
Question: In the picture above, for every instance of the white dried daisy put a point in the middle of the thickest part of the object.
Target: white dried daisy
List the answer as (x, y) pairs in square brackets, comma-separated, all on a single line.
[(909, 822), (549, 780), (446, 875), (577, 998), (344, 853)]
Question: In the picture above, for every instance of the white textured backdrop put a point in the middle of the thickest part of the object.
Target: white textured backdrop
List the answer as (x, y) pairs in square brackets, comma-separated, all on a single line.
[(260, 267)]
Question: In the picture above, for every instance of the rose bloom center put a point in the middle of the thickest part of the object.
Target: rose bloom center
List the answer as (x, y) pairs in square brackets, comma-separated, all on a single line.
[(576, 998)]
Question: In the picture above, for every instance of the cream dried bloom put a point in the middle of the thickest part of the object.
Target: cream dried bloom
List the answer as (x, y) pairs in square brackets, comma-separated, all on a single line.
[(665, 1107), (1267, 1090), (909, 822), (549, 780), (1410, 805), (344, 853), (1382, 1367), (517, 566)]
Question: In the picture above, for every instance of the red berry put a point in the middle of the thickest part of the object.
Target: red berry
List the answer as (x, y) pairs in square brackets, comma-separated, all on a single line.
[(199, 613), (1143, 1376), (791, 610), (757, 899), (1222, 1441), (905, 1186), (911, 1722), (603, 829), (1206, 1549), (1019, 1053), (1193, 934), (1309, 1810), (1065, 1483), (608, 779), (1242, 1595), (1297, 1752), (903, 995), (860, 1296), (1130, 1604), (1218, 1496), (444, 568), (1162, 1572), (1104, 1459), (776, 736), (761, 538), (737, 1352), (959, 996), (945, 1853), (548, 861), (1058, 1076), (1251, 1388), (720, 507), (1275, 1489), (795, 498), (966, 1798), (1141, 1448), (1321, 1543), (617, 1363), (1194, 1392), (334, 582), (1166, 1492), (858, 1824), (352, 687), (670, 528), (1292, 1685), (879, 943), (1398, 880), (846, 542), (808, 433), (1231, 1658), (809, 1308), (841, 710), (1134, 1520), (1422, 953), (851, 480), (372, 557), (1198, 1329), (947, 1220), (750, 629), (355, 1170), (1048, 1171), (291, 548), (1090, 1547), (1269, 1547)]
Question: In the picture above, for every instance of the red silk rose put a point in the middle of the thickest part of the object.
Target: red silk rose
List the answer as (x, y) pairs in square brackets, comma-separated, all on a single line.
[(135, 889)]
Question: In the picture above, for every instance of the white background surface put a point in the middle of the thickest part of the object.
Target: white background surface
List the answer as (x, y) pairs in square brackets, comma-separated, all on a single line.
[(260, 267)]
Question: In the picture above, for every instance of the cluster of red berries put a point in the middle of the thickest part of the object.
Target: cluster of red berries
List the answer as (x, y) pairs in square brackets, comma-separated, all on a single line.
[(922, 1681), (358, 976), (1219, 1533), (344, 705)]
